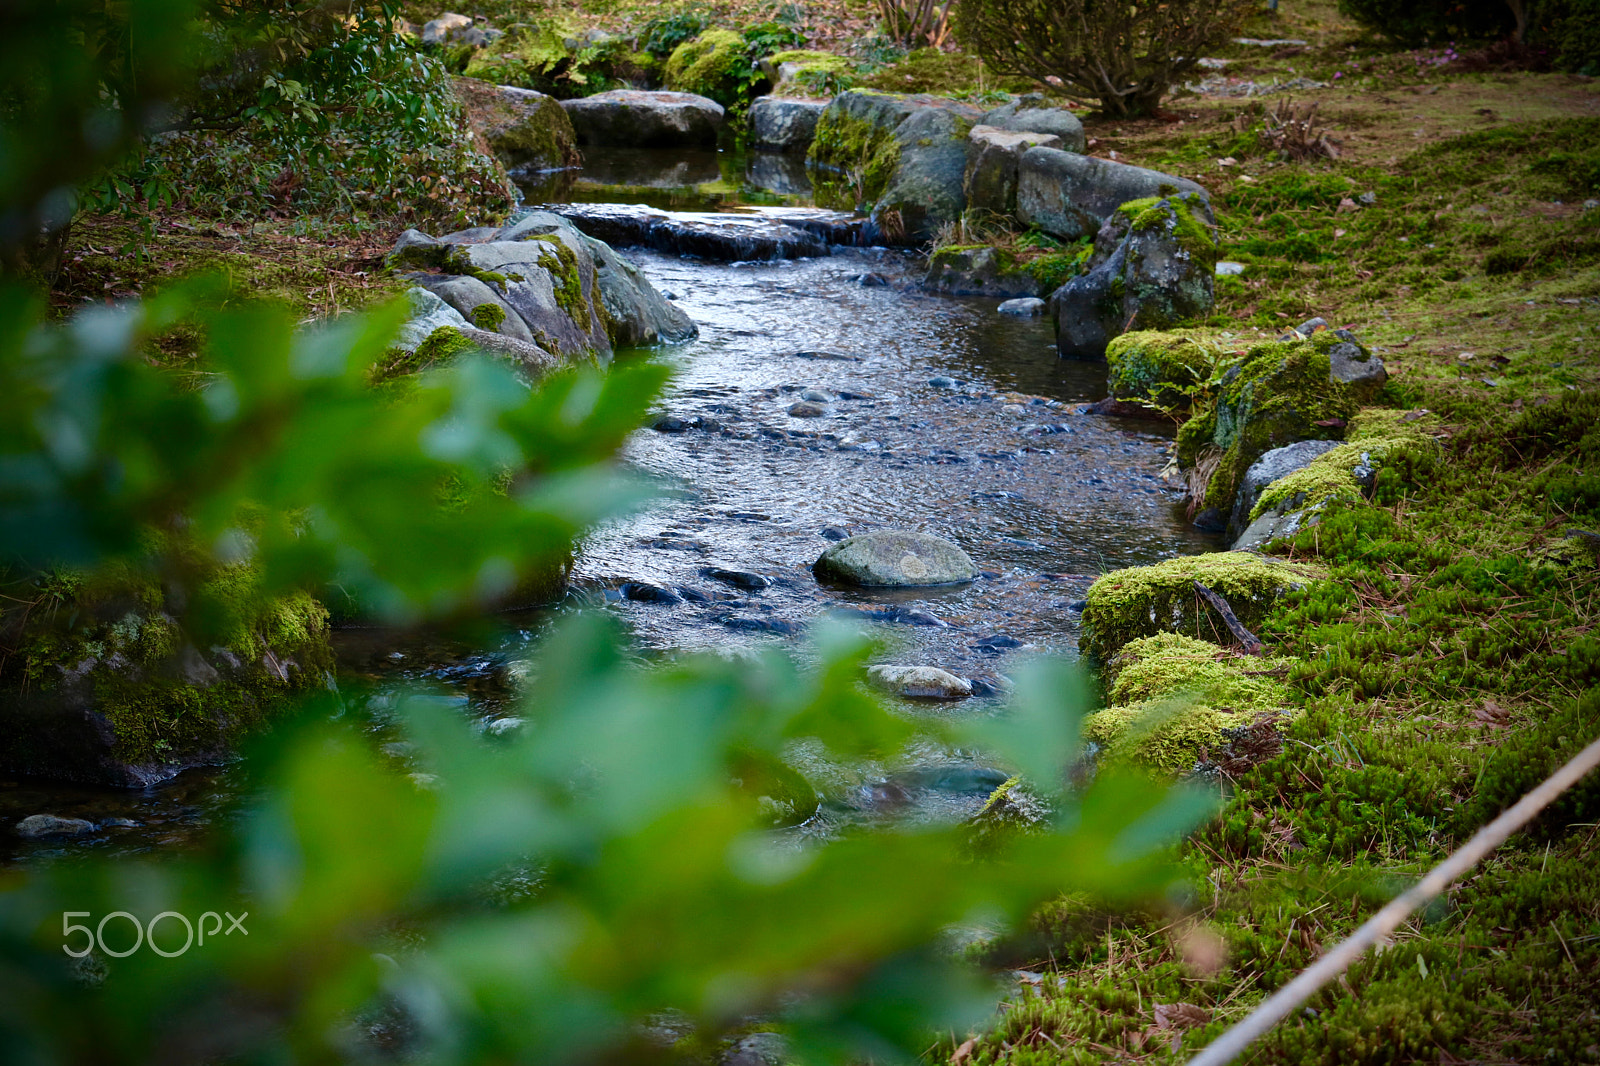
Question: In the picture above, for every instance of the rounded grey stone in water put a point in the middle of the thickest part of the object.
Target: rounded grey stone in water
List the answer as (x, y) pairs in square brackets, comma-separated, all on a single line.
[(36, 826), (920, 682), (890, 558), (1024, 306)]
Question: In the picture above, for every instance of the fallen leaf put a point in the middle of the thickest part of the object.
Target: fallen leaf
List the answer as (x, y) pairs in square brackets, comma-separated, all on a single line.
[(1346, 206), (1180, 1015), (964, 1052), (1338, 233), (1330, 423)]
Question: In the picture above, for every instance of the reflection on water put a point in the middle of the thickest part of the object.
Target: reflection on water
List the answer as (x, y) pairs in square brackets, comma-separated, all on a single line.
[(675, 180)]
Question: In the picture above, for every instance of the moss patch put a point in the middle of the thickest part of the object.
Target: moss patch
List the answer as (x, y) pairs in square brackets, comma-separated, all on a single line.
[(1171, 664), (715, 64), (488, 316), (855, 160), (1162, 368)]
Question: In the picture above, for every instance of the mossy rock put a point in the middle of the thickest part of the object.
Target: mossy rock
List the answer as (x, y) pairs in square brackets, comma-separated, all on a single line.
[(904, 157), (523, 128), (979, 270), (715, 65), (123, 679), (1281, 392), (1152, 269), (1168, 738), (1159, 367), (801, 70), (1172, 664), (1142, 601)]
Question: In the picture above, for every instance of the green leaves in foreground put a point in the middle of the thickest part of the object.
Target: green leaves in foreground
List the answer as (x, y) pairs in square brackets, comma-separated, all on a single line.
[(283, 455), (534, 897)]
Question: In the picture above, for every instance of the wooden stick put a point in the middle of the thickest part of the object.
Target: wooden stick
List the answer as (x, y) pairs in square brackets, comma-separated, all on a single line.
[(1246, 638), (1228, 1046)]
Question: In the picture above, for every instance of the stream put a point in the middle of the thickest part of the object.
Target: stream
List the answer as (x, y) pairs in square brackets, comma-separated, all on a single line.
[(937, 414)]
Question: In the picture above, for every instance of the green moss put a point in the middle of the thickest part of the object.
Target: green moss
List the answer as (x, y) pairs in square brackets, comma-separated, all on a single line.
[(1054, 269), (488, 316), (715, 64), (929, 70), (1166, 737), (1374, 436), (170, 693), (856, 160), (562, 263), (1171, 664), (1145, 600), (814, 68), (1163, 368), (1281, 392)]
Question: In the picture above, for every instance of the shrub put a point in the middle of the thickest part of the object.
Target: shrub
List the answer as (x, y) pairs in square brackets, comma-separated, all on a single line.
[(1417, 22), (1119, 57)]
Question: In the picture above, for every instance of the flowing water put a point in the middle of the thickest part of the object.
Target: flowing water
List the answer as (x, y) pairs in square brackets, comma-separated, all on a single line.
[(937, 414)]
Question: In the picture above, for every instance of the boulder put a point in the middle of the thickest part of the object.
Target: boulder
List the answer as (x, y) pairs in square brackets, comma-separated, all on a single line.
[(446, 29), (1279, 393), (904, 156), (993, 155), (1152, 269), (526, 130), (1275, 464), (919, 682), (1070, 195), (542, 287), (893, 558), (633, 118), (38, 826), (1025, 114), (784, 123), (978, 271), (428, 313)]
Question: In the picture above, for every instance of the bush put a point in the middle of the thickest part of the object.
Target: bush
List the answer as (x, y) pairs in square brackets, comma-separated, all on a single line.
[(1119, 57), (1418, 22)]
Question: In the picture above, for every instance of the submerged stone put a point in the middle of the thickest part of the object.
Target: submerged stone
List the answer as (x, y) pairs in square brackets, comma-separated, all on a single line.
[(919, 682), (38, 826), (893, 558)]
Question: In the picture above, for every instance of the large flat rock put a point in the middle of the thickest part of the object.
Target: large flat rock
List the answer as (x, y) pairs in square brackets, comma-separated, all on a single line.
[(632, 118), (1069, 195)]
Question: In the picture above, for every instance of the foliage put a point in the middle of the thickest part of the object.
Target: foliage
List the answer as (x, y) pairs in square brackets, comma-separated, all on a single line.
[(1120, 57), (69, 80), (1418, 22), (663, 34), (546, 890), (542, 893), (97, 446)]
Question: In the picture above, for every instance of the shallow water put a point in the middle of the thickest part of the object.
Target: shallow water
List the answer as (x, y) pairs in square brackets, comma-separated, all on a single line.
[(941, 415)]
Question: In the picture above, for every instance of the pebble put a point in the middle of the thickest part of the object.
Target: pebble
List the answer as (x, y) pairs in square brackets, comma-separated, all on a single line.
[(816, 396), (999, 642), (781, 626), (942, 382), (1227, 269), (807, 409), (834, 533)]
